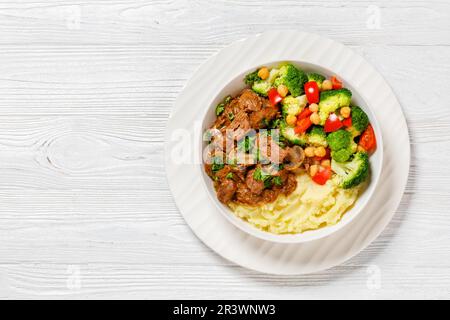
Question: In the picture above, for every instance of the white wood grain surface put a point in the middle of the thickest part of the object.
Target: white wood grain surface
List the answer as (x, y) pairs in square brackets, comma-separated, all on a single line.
[(85, 91)]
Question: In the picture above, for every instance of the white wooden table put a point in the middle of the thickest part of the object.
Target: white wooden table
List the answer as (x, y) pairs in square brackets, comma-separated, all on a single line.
[(85, 92)]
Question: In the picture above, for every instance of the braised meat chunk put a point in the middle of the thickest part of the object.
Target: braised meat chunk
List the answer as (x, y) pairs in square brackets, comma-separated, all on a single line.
[(260, 119), (255, 186), (250, 101), (226, 190), (252, 172)]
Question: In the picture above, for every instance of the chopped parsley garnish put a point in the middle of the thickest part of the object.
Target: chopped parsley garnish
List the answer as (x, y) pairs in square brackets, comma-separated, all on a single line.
[(260, 175), (232, 161), (247, 143), (219, 109), (277, 181), (217, 164), (275, 123), (268, 179), (207, 135), (281, 141), (268, 183), (216, 167)]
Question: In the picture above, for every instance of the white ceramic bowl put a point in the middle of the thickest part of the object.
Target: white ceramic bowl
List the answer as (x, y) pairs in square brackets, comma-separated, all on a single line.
[(376, 161)]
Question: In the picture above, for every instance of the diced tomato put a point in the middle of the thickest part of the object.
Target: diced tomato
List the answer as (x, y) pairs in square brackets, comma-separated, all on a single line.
[(325, 157), (274, 96), (302, 125), (347, 122), (305, 113), (337, 84), (333, 123), (322, 175), (368, 140), (312, 91)]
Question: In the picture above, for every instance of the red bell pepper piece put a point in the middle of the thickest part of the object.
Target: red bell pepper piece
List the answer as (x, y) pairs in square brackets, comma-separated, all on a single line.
[(304, 114), (336, 83), (274, 96), (368, 140), (347, 122), (302, 125), (312, 91), (322, 175), (333, 123)]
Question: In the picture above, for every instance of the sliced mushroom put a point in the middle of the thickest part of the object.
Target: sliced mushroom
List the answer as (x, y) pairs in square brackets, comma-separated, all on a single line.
[(294, 158)]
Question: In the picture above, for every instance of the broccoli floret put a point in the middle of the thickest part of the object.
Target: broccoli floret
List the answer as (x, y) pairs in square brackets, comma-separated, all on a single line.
[(293, 78), (360, 121), (274, 73), (289, 134), (293, 105), (342, 145), (319, 131), (263, 86), (353, 146), (341, 139), (341, 155), (332, 100), (252, 77), (352, 173), (318, 78), (317, 137)]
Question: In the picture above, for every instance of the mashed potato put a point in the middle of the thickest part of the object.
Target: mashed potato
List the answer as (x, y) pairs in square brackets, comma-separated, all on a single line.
[(310, 206)]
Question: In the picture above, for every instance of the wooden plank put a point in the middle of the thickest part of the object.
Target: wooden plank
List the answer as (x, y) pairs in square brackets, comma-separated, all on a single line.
[(201, 21), (145, 80), (124, 280), (126, 153)]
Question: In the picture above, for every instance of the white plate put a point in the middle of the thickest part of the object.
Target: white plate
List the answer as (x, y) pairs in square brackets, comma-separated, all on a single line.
[(183, 166)]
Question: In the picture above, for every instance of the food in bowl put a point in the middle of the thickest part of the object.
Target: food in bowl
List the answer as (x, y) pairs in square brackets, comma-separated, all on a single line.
[(290, 152)]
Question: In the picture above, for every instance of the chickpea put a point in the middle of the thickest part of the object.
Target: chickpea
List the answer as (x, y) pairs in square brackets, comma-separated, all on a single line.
[(320, 152), (282, 90), (327, 85), (325, 163), (345, 112), (309, 152), (361, 149), (315, 119), (314, 107), (291, 120), (313, 170), (263, 73)]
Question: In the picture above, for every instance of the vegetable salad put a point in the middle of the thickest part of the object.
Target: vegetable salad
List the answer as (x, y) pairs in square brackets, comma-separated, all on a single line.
[(316, 114)]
